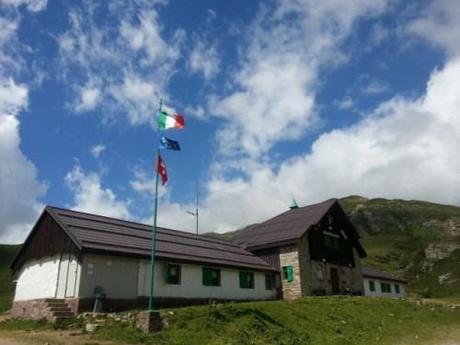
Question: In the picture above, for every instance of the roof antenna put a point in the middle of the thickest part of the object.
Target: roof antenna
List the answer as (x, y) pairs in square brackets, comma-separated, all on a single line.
[(293, 204), (195, 214)]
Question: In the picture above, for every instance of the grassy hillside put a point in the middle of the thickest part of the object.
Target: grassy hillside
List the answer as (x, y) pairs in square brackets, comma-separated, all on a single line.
[(315, 320), (417, 240), (7, 253)]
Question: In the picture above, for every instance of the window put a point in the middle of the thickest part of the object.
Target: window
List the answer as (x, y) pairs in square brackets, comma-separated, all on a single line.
[(173, 274), (211, 276), (371, 285), (246, 280), (331, 240), (288, 273), (319, 272), (269, 281), (90, 269), (385, 287), (397, 288)]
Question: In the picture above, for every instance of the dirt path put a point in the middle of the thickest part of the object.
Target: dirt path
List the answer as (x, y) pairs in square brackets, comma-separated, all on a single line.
[(444, 336), (48, 338)]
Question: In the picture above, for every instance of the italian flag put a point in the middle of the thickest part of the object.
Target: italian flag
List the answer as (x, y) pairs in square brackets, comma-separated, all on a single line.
[(167, 121)]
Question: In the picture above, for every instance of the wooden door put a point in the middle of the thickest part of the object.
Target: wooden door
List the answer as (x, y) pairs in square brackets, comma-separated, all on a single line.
[(335, 280), (71, 277)]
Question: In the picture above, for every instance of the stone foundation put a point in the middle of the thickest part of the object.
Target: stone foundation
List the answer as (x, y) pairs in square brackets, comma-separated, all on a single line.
[(36, 309)]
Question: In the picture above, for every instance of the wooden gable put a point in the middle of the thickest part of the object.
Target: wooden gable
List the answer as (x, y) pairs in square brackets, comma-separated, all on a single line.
[(333, 238), (46, 239)]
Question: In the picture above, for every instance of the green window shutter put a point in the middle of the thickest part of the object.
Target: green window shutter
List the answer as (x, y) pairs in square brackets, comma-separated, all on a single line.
[(246, 280), (206, 277), (166, 273), (211, 277), (172, 274), (269, 281), (242, 276), (371, 285), (290, 274)]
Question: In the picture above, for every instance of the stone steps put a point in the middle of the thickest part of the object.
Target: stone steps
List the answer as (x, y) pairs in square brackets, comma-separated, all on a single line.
[(59, 309)]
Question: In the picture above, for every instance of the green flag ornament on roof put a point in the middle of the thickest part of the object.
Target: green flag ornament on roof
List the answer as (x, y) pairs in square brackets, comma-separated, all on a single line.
[(293, 204)]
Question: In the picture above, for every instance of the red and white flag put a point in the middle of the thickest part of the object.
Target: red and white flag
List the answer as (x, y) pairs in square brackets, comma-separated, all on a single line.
[(161, 169)]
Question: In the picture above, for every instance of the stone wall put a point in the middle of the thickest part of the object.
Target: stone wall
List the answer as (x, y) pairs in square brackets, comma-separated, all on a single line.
[(36, 309), (316, 275), (289, 256)]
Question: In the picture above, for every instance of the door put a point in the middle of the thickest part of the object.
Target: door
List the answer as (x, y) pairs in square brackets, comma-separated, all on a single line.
[(335, 280), (62, 278), (72, 278)]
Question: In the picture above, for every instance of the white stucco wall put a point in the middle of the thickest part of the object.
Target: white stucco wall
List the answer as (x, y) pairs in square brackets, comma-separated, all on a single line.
[(37, 279), (51, 277), (378, 288), (191, 284)]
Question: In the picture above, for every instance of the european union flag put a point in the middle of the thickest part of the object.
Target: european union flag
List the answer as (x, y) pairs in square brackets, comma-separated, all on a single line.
[(166, 143)]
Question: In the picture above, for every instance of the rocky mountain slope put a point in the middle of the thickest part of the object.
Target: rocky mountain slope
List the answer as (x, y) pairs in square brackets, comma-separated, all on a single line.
[(417, 240)]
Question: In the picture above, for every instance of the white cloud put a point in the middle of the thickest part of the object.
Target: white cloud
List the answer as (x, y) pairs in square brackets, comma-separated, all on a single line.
[(147, 37), (90, 97), (96, 150), (20, 188), (346, 103), (90, 196), (13, 97), (32, 5), (274, 91), (373, 87), (143, 183), (406, 148), (123, 68), (19, 185), (198, 111), (204, 59), (440, 25)]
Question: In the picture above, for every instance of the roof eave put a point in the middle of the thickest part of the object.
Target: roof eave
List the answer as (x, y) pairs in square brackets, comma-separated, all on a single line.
[(392, 279), (166, 258), (273, 244)]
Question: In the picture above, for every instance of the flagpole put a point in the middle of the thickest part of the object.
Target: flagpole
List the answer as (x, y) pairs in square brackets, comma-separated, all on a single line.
[(196, 206), (154, 230)]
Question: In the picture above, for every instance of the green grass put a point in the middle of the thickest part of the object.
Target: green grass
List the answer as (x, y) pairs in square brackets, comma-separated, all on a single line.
[(25, 325), (315, 320), (7, 253)]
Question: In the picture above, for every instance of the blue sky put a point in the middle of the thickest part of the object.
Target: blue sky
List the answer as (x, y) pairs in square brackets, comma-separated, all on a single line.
[(282, 99)]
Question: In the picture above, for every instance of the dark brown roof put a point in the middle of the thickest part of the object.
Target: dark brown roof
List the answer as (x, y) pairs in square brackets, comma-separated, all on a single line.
[(94, 233), (284, 228), (369, 272)]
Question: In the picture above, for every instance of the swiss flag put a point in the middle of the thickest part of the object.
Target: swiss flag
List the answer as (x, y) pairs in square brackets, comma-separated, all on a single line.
[(161, 169)]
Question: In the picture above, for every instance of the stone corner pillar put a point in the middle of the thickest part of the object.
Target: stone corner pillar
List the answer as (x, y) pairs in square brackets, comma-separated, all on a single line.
[(149, 321)]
